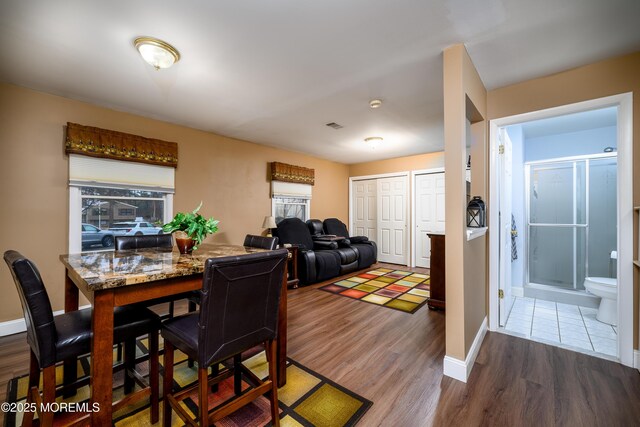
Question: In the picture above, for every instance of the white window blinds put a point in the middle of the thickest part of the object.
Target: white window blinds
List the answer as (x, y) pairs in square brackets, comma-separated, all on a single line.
[(92, 171), (289, 189)]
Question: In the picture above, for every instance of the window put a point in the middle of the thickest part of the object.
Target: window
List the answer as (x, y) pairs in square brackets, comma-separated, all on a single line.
[(148, 206), (287, 207), (103, 205), (290, 200)]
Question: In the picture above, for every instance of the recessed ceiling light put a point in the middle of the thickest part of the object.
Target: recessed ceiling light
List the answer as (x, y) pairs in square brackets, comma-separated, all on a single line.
[(375, 103), (157, 53), (373, 141)]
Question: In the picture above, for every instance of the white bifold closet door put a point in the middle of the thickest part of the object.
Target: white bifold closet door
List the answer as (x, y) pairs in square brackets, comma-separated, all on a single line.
[(429, 214), (392, 220)]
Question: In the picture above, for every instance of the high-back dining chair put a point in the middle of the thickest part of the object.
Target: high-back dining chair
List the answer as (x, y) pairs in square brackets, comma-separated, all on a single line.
[(238, 310), (251, 241), (162, 241), (144, 241), (53, 339), (261, 242)]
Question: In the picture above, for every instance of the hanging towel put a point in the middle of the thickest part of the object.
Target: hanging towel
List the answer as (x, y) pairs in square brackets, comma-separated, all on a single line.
[(514, 234)]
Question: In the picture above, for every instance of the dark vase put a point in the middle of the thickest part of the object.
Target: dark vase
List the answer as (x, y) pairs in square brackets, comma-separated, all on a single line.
[(185, 245)]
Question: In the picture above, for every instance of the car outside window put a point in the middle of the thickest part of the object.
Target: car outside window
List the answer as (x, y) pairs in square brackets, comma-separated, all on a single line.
[(111, 212)]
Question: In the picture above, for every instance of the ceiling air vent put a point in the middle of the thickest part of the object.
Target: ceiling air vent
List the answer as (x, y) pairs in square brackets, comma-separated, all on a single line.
[(334, 125)]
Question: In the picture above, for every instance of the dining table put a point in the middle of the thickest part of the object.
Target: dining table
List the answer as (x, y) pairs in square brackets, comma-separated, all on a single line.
[(110, 279)]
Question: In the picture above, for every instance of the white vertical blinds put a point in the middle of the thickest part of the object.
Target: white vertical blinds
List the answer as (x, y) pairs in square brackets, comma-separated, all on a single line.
[(92, 171)]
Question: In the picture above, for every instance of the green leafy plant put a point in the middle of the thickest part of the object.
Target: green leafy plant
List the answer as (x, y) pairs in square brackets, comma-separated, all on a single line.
[(193, 224)]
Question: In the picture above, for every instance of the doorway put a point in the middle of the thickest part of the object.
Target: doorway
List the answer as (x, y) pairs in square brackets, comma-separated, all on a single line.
[(554, 233)]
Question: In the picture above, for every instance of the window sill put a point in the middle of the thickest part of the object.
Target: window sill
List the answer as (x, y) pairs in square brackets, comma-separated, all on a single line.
[(474, 233)]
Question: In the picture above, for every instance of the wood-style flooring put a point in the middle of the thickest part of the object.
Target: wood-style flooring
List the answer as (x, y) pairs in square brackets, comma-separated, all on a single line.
[(395, 360)]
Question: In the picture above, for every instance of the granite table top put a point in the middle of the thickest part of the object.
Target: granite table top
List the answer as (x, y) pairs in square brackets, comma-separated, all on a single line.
[(112, 269)]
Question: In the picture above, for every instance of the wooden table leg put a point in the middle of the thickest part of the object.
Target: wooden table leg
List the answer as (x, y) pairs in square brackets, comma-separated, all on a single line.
[(102, 357), (282, 334), (70, 370)]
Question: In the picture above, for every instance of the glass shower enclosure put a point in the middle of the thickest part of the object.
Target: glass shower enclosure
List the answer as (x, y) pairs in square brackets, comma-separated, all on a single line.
[(571, 214)]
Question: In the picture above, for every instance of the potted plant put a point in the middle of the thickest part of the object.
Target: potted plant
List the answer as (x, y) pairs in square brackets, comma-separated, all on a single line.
[(190, 229)]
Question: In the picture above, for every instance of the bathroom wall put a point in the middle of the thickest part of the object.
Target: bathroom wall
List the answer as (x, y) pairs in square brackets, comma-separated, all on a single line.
[(591, 141)]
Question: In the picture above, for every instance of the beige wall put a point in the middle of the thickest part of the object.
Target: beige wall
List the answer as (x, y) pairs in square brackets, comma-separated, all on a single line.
[(228, 175), (399, 164), (464, 99), (604, 78)]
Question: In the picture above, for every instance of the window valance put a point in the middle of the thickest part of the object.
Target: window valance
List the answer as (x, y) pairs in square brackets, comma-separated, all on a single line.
[(291, 173), (109, 144)]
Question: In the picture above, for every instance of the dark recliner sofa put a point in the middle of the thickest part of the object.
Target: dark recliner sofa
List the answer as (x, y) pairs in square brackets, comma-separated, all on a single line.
[(348, 256), (367, 249), (316, 260), (321, 257)]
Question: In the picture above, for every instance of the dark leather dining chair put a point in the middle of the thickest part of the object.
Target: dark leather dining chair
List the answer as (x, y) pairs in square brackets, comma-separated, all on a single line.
[(261, 242), (251, 241), (144, 241), (53, 339), (163, 241), (238, 310)]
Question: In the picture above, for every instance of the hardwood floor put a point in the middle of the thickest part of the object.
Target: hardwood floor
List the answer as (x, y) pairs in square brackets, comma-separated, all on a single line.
[(395, 360)]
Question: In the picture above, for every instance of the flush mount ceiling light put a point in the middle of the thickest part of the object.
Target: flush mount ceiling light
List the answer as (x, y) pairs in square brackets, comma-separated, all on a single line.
[(375, 103), (373, 141), (157, 53)]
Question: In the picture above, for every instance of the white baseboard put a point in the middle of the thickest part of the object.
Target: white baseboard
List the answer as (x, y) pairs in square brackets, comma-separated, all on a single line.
[(460, 370), (16, 326), (636, 359)]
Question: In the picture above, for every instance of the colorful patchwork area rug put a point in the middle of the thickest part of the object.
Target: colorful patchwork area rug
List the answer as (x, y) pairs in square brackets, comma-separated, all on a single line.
[(308, 398), (397, 289)]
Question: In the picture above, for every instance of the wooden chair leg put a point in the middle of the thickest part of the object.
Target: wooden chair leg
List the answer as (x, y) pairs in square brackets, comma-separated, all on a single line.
[(153, 376), (34, 383), (34, 371), (49, 394), (70, 375), (237, 374), (119, 352), (129, 365), (203, 396), (171, 309), (215, 370), (167, 384), (273, 377)]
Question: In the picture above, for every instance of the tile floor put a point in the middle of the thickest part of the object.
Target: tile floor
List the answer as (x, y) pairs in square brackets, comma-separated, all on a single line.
[(564, 324)]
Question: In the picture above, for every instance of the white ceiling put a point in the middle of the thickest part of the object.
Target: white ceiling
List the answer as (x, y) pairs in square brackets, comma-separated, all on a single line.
[(275, 72)]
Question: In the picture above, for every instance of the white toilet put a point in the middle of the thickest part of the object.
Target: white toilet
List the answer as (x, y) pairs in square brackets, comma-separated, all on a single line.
[(607, 289)]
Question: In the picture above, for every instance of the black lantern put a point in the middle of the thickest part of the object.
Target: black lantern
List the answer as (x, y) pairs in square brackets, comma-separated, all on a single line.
[(475, 213)]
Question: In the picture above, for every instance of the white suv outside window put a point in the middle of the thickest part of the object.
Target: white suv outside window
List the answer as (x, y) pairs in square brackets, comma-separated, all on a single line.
[(134, 228)]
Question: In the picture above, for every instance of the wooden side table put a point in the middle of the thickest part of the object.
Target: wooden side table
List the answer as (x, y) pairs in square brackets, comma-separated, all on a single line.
[(292, 267), (437, 272)]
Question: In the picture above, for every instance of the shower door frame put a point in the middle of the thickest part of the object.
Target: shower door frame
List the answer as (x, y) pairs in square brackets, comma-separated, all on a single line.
[(575, 225)]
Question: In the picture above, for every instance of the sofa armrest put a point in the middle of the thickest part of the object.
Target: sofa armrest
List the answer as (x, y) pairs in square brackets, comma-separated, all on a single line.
[(307, 266), (344, 243), (359, 239), (324, 245)]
